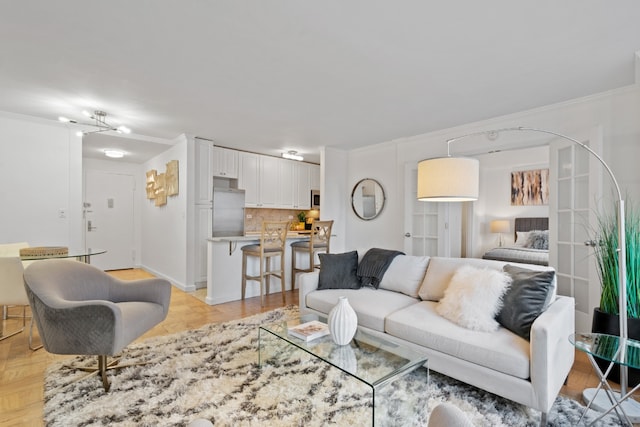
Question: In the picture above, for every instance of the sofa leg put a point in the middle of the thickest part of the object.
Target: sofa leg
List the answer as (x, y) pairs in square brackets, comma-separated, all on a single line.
[(543, 419)]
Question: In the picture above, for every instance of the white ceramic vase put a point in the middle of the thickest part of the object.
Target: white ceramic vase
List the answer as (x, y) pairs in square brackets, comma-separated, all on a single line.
[(342, 322)]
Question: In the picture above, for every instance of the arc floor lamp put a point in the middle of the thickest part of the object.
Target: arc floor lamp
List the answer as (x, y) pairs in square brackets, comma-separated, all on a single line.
[(456, 179)]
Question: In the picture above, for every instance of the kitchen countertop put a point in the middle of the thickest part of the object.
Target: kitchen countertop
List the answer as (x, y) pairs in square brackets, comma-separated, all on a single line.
[(256, 236)]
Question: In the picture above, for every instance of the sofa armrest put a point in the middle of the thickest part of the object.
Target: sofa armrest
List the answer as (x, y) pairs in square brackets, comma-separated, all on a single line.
[(552, 354), (308, 282)]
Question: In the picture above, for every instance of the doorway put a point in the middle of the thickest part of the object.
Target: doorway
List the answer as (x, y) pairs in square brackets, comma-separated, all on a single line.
[(109, 218)]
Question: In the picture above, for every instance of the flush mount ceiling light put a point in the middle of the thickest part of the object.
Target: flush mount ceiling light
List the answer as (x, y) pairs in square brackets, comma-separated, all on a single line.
[(100, 121), (292, 155), (114, 154)]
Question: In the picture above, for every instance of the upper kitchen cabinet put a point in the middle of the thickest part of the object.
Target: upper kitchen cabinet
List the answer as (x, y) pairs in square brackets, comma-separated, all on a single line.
[(259, 177), (314, 171), (302, 186), (224, 163), (204, 181)]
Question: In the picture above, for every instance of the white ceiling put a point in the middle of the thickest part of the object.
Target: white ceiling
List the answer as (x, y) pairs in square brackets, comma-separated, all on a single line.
[(277, 75)]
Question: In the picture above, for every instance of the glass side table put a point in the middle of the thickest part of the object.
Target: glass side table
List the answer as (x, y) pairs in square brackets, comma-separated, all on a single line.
[(618, 352)]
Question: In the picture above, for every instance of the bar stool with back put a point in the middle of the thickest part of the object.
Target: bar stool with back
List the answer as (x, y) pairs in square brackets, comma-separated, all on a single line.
[(318, 242), (273, 238)]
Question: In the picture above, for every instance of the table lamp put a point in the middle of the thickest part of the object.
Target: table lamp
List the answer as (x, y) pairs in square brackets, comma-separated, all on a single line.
[(499, 226)]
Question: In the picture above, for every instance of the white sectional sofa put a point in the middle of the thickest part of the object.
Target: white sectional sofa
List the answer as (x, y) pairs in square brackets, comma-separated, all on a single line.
[(501, 362)]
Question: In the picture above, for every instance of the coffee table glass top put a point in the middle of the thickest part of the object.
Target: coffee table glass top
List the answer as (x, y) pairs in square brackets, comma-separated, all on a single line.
[(608, 347), (371, 359)]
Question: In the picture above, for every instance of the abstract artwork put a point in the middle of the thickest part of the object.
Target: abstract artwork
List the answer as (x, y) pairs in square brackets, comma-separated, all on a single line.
[(161, 185), (530, 187)]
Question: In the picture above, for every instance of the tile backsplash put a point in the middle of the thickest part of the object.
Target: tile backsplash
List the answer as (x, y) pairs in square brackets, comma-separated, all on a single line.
[(253, 217)]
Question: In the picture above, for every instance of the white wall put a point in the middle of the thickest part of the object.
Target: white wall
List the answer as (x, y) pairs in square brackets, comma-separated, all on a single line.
[(164, 228), (41, 174), (377, 162), (616, 111), (138, 173), (334, 195)]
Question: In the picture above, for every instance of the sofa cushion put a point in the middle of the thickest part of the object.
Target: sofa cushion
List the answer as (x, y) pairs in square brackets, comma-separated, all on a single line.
[(371, 305), (338, 271), (501, 350), (474, 298), (405, 274), (441, 270), (527, 297)]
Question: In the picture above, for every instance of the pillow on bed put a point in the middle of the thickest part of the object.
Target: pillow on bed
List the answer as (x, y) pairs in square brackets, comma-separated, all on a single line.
[(538, 239), (521, 238), (474, 298)]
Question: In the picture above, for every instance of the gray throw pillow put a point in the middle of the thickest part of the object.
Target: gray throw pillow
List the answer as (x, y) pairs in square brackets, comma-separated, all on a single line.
[(525, 299), (338, 271), (538, 239)]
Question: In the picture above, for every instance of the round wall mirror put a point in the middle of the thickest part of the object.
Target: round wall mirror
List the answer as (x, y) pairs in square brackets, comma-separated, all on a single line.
[(367, 199)]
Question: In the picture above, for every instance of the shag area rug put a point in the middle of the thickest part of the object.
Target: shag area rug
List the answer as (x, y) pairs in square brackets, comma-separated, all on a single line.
[(213, 373)]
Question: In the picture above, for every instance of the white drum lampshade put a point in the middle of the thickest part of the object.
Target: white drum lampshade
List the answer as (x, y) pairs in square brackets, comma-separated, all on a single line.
[(448, 179)]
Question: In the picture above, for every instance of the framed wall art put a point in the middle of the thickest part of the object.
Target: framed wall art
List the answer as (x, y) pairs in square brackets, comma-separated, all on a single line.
[(530, 187)]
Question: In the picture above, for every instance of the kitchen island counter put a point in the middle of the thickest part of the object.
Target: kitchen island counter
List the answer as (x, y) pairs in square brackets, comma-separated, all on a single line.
[(224, 267)]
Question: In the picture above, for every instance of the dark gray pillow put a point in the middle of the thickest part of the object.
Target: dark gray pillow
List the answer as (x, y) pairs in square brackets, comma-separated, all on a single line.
[(338, 271), (525, 299)]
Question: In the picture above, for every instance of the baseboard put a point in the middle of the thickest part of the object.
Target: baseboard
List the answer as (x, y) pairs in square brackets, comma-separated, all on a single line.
[(173, 281)]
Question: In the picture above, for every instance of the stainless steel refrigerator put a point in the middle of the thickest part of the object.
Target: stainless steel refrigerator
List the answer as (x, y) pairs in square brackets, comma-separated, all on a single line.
[(228, 212)]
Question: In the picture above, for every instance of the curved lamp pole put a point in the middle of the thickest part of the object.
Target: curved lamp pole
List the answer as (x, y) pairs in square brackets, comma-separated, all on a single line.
[(622, 246)]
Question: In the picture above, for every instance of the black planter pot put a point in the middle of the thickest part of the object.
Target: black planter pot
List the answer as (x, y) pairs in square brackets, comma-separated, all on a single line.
[(604, 323)]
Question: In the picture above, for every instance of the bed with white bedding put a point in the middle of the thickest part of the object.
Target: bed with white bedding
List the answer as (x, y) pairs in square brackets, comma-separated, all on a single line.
[(531, 243)]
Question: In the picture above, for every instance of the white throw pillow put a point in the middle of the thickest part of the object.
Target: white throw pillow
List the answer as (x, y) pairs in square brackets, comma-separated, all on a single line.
[(405, 274), (521, 238), (474, 298)]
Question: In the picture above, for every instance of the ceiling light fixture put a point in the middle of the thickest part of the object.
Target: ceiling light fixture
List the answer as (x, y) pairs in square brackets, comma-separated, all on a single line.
[(114, 154), (292, 155), (100, 121)]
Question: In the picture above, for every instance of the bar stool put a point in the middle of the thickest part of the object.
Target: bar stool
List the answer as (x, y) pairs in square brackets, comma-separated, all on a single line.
[(318, 242), (273, 238)]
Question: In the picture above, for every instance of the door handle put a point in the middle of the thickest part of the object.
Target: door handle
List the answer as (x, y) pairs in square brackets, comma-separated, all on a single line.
[(89, 227), (407, 234)]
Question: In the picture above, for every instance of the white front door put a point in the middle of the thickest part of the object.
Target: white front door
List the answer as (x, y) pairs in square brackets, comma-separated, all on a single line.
[(108, 208), (431, 228), (575, 177)]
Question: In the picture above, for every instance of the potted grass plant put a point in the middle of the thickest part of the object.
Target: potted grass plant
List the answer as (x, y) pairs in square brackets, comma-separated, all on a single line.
[(605, 317)]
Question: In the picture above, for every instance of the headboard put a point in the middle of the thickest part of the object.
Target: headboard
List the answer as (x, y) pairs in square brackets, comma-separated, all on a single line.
[(528, 224)]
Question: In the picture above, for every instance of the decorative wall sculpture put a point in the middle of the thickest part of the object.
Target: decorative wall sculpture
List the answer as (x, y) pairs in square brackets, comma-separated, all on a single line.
[(159, 186), (530, 187)]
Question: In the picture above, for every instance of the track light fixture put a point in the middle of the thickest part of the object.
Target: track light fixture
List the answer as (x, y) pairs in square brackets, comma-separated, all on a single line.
[(100, 121)]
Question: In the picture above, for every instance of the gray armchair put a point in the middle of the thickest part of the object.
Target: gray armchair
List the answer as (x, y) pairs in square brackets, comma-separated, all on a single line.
[(79, 309)]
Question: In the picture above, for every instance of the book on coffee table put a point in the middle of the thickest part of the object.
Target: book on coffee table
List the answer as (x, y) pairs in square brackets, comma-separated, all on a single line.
[(310, 330)]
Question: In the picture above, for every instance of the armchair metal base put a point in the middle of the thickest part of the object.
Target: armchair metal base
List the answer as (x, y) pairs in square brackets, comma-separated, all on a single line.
[(101, 369)]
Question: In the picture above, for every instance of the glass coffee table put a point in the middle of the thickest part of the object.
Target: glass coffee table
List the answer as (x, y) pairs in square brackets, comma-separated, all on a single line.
[(369, 359)]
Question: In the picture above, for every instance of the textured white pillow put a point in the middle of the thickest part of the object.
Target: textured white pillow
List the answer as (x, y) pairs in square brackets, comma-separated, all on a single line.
[(474, 298), (521, 238), (405, 274)]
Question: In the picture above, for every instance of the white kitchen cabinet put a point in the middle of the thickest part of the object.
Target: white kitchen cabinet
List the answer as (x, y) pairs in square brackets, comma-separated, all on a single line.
[(259, 177), (224, 163), (202, 232), (287, 177), (269, 183), (204, 178), (302, 186), (314, 171)]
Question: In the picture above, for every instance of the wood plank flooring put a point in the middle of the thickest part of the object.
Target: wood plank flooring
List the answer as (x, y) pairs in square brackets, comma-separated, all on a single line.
[(22, 370)]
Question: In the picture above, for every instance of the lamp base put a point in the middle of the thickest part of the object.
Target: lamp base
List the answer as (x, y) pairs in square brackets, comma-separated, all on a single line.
[(602, 403)]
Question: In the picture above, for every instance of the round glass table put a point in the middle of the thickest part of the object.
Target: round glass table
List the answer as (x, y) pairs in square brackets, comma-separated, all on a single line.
[(83, 255), (616, 351)]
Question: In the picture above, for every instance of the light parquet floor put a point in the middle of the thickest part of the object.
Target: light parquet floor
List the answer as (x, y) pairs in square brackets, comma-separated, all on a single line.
[(22, 370)]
